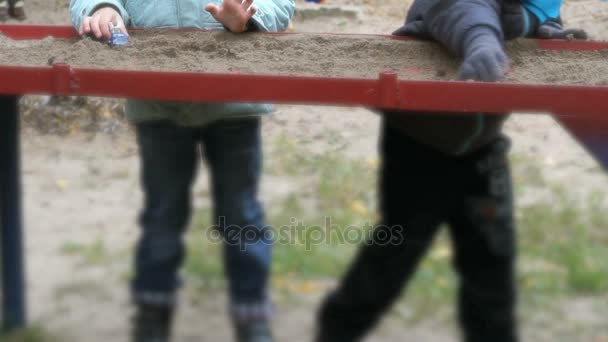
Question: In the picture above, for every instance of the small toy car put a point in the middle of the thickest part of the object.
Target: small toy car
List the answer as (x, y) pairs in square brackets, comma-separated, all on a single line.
[(117, 36)]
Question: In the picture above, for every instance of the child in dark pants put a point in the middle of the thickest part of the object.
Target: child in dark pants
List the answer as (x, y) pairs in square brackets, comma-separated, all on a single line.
[(421, 189), (446, 168)]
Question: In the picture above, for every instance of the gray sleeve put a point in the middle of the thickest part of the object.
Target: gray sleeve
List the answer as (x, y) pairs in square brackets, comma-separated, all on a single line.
[(449, 21)]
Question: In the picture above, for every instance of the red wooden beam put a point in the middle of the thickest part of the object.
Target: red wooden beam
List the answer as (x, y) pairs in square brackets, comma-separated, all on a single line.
[(386, 92), (571, 45), (23, 32), (504, 97)]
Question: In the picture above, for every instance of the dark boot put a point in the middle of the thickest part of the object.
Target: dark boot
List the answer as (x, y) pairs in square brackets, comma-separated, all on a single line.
[(152, 323), (3, 10), (16, 10), (254, 331), (252, 321)]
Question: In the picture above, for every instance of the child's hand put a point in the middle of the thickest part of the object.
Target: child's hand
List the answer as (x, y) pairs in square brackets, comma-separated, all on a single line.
[(484, 57), (97, 23), (233, 14), (555, 30), (486, 64)]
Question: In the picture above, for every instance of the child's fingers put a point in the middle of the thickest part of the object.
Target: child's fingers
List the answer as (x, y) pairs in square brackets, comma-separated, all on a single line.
[(95, 26), (252, 10), (98, 24), (574, 33), (119, 21), (213, 9), (123, 29), (85, 27), (104, 23), (247, 3)]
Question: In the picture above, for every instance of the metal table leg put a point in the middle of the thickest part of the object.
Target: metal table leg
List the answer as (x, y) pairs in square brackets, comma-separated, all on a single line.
[(592, 134), (11, 234)]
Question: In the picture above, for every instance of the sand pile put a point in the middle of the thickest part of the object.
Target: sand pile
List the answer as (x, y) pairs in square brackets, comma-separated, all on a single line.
[(357, 56)]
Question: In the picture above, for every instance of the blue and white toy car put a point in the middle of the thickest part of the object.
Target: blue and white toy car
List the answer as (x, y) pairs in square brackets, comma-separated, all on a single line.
[(118, 37)]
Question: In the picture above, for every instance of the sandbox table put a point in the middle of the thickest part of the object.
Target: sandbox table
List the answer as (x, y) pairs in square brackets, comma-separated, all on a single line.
[(583, 110)]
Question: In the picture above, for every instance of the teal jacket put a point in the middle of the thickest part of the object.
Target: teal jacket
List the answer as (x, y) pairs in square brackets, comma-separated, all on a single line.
[(272, 16), (544, 9)]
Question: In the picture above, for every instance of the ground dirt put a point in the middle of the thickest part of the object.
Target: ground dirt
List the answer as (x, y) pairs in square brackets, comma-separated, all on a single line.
[(81, 189)]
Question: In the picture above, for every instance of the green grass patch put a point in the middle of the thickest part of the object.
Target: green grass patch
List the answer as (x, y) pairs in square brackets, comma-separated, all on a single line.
[(31, 334), (559, 252), (562, 246), (94, 253), (527, 172)]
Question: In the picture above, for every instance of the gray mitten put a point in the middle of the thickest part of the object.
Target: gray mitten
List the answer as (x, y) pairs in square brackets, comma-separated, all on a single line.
[(484, 57), (554, 29)]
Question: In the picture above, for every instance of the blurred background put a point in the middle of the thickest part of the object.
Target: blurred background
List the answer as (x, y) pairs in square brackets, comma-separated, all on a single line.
[(82, 197)]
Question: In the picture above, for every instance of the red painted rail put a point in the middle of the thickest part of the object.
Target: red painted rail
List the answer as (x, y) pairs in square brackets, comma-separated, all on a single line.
[(386, 92)]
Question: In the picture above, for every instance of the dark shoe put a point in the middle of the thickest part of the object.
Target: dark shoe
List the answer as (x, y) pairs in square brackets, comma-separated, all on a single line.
[(17, 11), (254, 331), (327, 338), (152, 323), (3, 10)]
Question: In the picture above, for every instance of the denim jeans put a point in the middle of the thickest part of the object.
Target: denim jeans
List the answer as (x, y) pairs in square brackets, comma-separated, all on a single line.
[(170, 157), (420, 189)]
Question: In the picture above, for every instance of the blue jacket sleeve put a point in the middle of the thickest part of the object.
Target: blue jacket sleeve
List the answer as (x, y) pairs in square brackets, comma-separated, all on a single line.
[(273, 15), (82, 8)]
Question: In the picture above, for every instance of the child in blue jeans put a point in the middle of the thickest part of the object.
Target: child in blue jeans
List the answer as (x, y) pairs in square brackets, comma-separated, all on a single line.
[(172, 137)]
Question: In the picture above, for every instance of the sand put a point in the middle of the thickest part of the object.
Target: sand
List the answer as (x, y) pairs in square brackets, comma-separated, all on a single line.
[(354, 56)]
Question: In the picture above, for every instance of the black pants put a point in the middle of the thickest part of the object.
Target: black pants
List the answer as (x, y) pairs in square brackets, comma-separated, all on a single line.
[(419, 190)]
